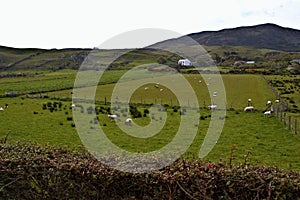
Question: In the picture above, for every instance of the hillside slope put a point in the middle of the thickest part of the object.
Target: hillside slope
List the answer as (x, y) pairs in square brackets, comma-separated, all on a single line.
[(269, 36)]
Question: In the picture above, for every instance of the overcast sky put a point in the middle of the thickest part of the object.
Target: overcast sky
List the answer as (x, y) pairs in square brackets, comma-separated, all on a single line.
[(89, 23)]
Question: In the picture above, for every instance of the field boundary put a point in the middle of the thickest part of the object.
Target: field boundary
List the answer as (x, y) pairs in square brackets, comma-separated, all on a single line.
[(290, 122)]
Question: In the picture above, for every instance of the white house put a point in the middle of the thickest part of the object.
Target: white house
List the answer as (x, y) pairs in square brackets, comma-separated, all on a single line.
[(185, 62)]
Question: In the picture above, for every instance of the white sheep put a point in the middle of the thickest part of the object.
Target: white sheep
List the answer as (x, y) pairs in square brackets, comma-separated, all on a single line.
[(267, 113), (112, 117), (1, 109), (212, 107), (277, 101), (248, 108), (268, 103), (128, 121)]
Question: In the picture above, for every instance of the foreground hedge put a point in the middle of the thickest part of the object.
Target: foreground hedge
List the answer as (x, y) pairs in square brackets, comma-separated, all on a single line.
[(34, 172)]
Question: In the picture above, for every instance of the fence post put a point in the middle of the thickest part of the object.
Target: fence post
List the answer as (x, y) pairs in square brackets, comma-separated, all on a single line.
[(284, 119)]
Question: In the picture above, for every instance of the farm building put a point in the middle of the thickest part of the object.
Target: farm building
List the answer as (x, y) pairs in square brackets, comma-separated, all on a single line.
[(185, 62)]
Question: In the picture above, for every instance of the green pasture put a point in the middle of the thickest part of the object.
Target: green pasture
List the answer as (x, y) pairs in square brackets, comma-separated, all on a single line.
[(25, 120), (269, 142), (288, 87), (238, 88)]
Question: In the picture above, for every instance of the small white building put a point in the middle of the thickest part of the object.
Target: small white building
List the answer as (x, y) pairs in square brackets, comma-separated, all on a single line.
[(185, 62)]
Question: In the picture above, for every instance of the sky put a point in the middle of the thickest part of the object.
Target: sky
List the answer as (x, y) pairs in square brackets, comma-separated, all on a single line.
[(86, 24)]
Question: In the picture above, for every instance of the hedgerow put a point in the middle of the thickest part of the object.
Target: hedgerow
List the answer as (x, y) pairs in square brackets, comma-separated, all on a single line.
[(30, 171)]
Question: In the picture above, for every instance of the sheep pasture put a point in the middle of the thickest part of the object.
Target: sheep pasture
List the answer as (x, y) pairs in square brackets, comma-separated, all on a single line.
[(50, 120)]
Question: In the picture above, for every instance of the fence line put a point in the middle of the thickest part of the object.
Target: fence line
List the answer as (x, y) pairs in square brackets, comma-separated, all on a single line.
[(289, 121)]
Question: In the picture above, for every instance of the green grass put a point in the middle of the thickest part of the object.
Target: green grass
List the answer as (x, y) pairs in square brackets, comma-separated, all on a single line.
[(239, 88), (44, 127), (271, 142)]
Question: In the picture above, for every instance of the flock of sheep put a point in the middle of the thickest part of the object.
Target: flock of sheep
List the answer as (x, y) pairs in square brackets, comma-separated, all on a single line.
[(250, 108), (115, 117), (267, 112)]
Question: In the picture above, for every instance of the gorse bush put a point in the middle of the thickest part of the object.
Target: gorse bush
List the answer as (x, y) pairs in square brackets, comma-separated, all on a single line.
[(35, 172)]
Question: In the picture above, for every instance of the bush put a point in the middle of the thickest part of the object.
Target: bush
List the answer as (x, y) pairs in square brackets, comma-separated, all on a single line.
[(134, 112), (35, 172)]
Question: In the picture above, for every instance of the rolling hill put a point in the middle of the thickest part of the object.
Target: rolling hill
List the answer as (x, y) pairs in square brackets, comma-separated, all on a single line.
[(263, 43), (263, 36)]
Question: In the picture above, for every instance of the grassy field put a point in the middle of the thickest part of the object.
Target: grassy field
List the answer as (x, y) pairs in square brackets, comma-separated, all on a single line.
[(270, 143), (239, 88)]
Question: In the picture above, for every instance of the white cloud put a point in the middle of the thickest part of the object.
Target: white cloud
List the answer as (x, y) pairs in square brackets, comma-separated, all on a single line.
[(58, 24)]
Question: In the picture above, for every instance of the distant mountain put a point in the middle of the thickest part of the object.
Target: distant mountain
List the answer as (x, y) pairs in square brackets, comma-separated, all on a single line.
[(264, 36)]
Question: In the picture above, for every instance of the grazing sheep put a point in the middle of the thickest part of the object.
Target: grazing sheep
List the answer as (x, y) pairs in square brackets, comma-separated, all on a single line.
[(215, 94), (146, 88), (277, 101), (113, 117), (73, 105), (161, 90), (1, 109), (268, 103), (248, 108), (267, 113), (212, 107), (249, 102), (128, 121)]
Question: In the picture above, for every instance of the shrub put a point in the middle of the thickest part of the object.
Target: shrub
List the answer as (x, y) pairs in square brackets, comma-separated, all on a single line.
[(37, 172), (49, 104)]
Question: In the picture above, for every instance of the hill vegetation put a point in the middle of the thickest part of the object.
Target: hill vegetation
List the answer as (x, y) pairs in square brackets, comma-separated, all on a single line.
[(270, 46), (263, 36)]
